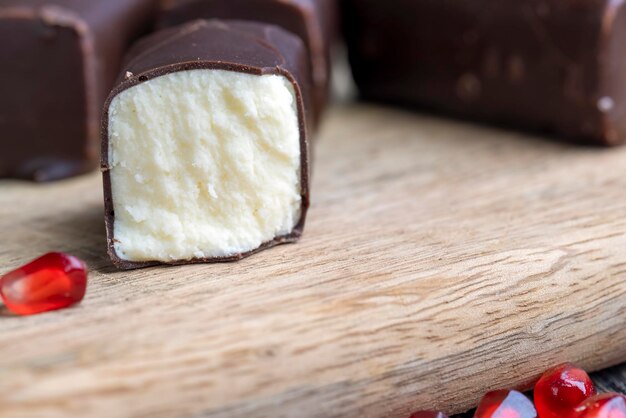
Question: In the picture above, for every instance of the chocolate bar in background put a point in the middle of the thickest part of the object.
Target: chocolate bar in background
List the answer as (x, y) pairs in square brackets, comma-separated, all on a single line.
[(543, 65), (204, 145), (58, 60), (315, 21)]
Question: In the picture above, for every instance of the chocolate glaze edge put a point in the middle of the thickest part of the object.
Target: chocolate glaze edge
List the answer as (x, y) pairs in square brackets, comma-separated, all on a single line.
[(613, 28)]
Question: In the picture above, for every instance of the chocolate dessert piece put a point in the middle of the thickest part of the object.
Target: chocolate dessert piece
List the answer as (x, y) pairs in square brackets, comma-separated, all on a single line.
[(546, 65), (205, 148), (59, 59), (315, 21)]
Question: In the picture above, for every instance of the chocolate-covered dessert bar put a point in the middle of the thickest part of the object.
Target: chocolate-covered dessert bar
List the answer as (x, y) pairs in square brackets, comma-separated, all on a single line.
[(547, 65), (205, 147), (313, 20), (58, 61)]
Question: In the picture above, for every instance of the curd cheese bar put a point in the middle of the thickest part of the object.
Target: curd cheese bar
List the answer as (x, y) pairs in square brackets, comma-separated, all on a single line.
[(205, 140), (58, 61), (543, 65)]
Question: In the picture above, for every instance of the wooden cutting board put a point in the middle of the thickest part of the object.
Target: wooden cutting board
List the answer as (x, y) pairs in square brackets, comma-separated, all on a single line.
[(441, 260)]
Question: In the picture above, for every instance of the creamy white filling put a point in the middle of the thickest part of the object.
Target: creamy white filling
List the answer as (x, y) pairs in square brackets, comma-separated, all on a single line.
[(204, 163)]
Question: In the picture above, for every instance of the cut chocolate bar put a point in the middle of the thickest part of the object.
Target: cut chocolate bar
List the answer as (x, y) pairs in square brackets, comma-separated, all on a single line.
[(205, 149), (545, 65), (58, 60), (314, 21)]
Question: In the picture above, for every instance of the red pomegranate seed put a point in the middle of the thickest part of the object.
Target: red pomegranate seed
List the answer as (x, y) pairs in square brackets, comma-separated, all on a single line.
[(561, 389), (505, 404), (606, 405), (428, 414), (53, 281)]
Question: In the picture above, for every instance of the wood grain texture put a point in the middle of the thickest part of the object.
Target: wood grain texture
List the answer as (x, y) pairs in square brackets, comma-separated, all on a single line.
[(441, 260)]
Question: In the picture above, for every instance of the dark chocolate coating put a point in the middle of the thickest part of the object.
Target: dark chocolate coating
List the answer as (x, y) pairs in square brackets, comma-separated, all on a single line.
[(554, 66), (59, 60), (245, 47), (315, 21)]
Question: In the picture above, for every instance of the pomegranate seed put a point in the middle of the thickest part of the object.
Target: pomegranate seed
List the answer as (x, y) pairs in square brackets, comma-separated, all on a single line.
[(53, 281), (561, 389), (428, 414), (505, 404), (607, 405)]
